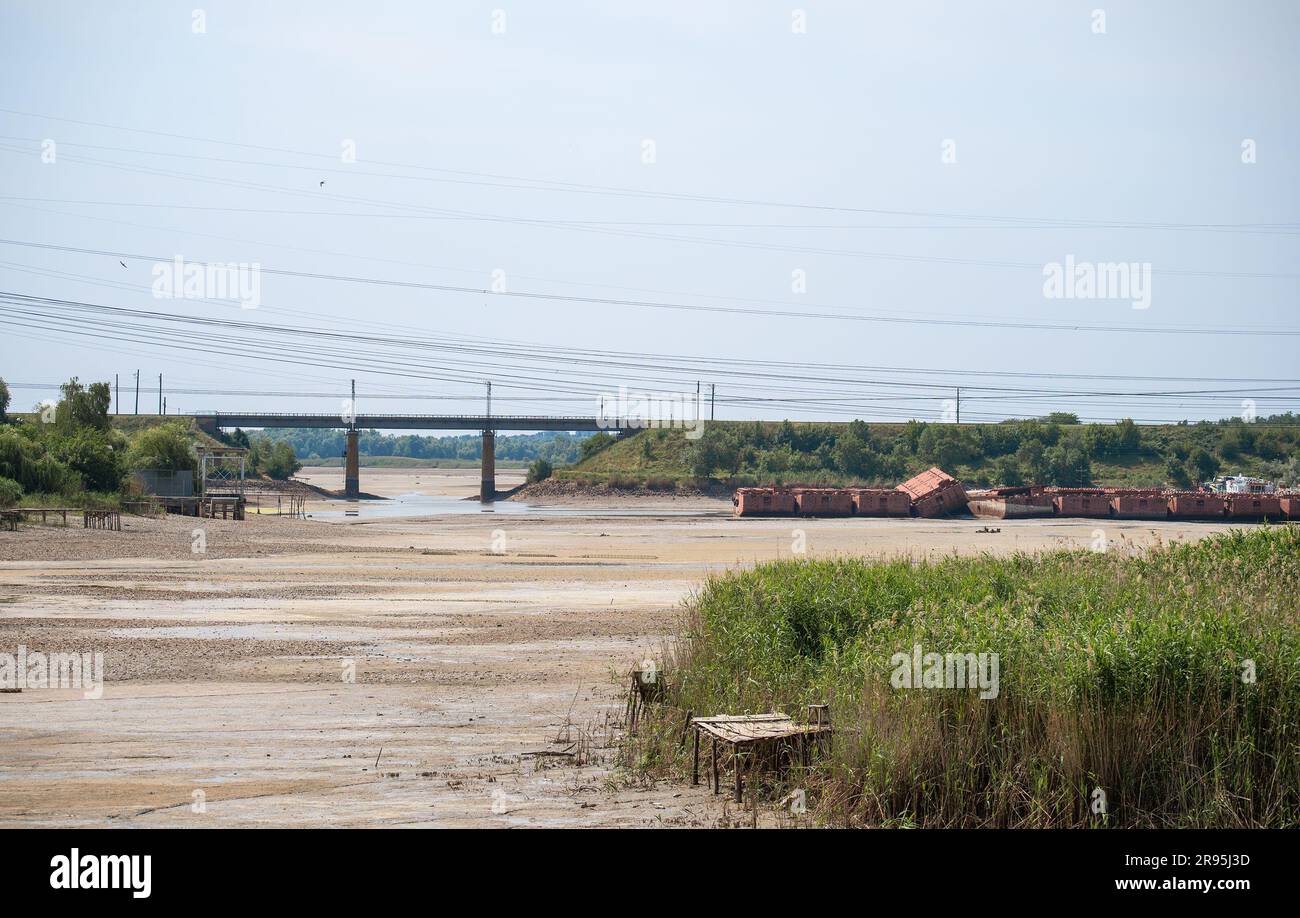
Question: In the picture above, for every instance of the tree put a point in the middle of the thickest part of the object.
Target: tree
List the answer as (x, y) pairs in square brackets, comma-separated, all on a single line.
[(854, 457), (166, 447), (4, 402), (1007, 472), (1176, 473), (1031, 458), (718, 448), (83, 406), (1271, 445), (1204, 464), (1130, 438), (911, 435), (1102, 441), (539, 470), (1067, 466), (93, 454), (280, 462)]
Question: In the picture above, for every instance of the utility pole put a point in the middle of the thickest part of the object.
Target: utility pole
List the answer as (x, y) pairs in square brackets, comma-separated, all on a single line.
[(164, 411), (713, 394), (160, 398), (354, 403), (959, 404), (137, 391), (117, 395)]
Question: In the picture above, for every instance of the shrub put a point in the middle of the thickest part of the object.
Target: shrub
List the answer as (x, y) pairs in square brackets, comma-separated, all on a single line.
[(281, 463), (539, 470), (167, 447), (10, 492)]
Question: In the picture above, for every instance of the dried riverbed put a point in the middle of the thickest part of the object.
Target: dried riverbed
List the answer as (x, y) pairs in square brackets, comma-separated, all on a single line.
[(457, 669)]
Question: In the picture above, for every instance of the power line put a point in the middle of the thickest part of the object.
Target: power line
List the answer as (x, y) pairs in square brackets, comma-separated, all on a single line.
[(663, 304), (622, 191)]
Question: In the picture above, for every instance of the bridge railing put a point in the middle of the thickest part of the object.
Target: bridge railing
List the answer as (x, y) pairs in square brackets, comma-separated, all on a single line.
[(389, 414)]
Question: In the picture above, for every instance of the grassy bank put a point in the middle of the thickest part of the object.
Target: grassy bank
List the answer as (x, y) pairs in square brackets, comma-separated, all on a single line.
[(1117, 673)]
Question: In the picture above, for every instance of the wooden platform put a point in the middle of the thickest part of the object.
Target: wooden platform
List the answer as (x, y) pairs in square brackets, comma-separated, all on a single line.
[(742, 729), (758, 739), (45, 512)]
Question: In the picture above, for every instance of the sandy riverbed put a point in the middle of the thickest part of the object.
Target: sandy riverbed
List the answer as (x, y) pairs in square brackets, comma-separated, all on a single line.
[(475, 639)]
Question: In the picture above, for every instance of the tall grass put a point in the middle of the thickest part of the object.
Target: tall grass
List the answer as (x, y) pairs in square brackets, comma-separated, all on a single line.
[(1124, 673), (81, 500)]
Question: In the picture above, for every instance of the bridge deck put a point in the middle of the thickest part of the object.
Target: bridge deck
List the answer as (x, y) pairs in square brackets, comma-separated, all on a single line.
[(399, 421)]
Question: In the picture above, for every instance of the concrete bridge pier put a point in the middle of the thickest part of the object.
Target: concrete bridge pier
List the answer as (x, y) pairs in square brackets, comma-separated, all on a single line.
[(352, 469), (488, 487)]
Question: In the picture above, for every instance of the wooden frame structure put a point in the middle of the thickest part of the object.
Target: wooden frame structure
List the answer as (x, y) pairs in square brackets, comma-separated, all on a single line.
[(101, 519), (757, 738)]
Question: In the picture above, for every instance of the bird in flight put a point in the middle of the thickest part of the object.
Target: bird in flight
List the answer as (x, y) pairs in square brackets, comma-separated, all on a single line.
[(122, 263), (322, 184)]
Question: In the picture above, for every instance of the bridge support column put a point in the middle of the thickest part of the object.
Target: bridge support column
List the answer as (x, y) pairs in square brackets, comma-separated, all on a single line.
[(352, 469), (488, 488)]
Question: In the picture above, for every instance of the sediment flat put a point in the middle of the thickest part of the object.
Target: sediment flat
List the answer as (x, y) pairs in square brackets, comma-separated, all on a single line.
[(391, 670)]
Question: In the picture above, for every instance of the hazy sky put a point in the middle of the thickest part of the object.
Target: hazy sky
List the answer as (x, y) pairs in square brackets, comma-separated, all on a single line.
[(859, 108)]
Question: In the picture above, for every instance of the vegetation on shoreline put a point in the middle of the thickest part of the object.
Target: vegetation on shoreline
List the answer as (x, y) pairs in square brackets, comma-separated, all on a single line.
[(1053, 450), (1125, 673), (74, 453)]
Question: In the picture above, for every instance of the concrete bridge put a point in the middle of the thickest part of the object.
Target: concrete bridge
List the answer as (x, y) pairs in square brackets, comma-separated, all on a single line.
[(351, 468)]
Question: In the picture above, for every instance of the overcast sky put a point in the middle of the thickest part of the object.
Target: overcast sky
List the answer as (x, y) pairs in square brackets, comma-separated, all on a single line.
[(952, 150)]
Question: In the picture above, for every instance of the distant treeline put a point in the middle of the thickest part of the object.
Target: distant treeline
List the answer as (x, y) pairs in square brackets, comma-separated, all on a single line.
[(1056, 450), (307, 443)]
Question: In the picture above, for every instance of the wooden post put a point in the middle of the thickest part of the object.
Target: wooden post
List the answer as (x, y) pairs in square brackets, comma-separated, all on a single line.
[(695, 760), (715, 765), (739, 763)]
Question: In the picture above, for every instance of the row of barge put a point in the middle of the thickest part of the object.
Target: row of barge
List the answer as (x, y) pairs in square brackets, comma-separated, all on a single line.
[(934, 493)]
